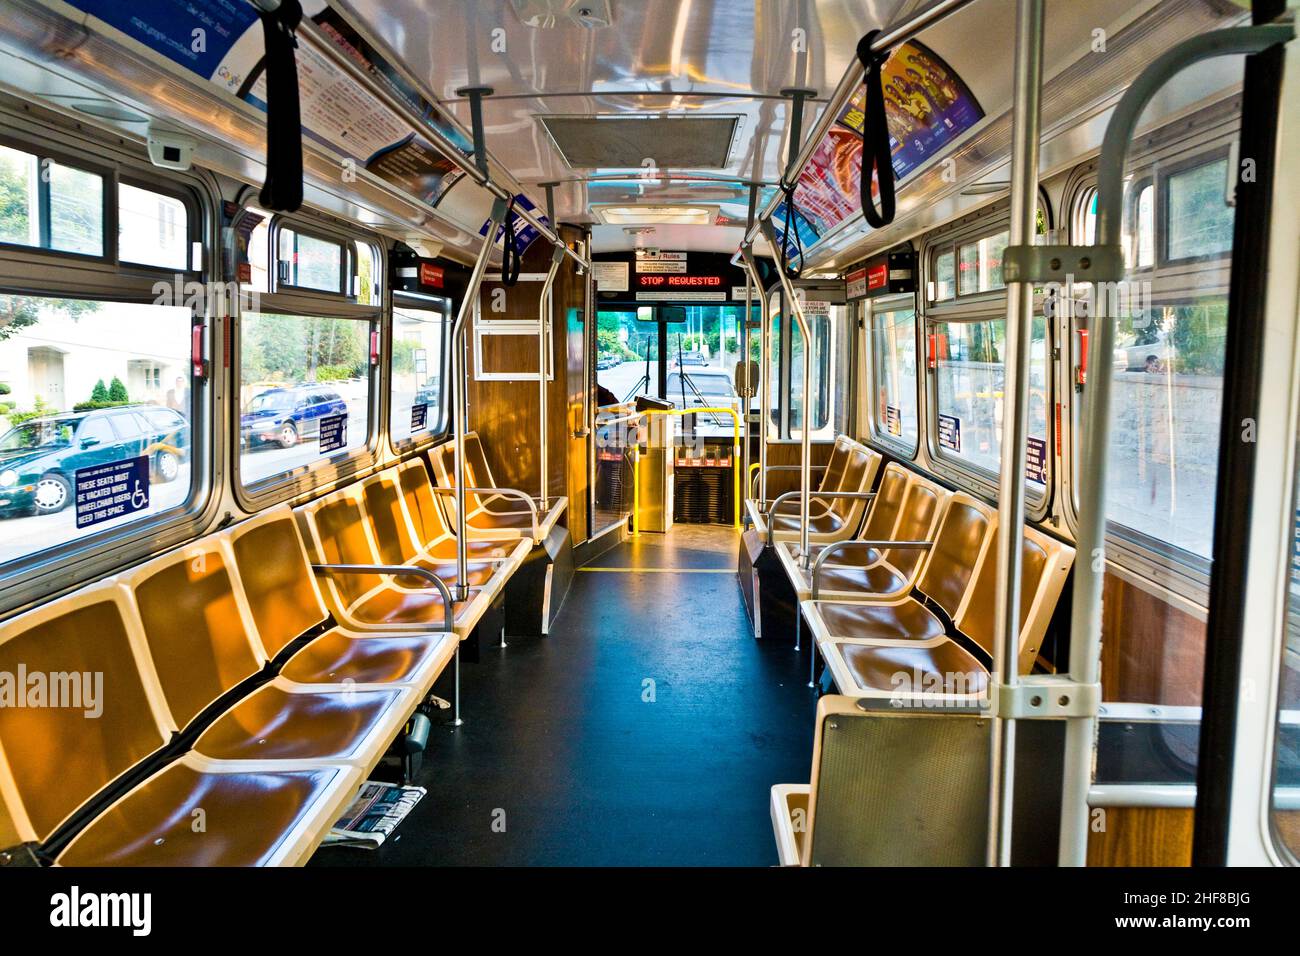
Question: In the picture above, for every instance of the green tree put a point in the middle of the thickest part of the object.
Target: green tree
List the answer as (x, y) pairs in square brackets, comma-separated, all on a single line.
[(100, 392), (117, 391)]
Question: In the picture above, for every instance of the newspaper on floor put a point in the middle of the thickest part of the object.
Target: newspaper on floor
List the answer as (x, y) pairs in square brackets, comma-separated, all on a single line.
[(373, 815)]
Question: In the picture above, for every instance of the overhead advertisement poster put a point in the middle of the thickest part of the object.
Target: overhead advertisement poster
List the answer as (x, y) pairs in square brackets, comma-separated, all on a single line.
[(927, 106), (221, 41)]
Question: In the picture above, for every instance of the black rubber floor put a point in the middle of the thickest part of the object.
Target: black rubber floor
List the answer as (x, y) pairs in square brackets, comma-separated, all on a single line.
[(645, 730)]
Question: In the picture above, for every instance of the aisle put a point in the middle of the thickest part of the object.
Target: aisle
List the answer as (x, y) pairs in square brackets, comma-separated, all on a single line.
[(646, 730)]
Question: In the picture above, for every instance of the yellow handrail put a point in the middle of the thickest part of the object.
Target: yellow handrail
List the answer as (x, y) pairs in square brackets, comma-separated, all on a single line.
[(735, 457)]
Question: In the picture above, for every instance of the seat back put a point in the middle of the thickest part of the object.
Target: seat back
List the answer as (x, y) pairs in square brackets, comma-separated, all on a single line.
[(834, 472), (1045, 564), (959, 545), (860, 470), (444, 468), (275, 577), (393, 534), (421, 504), (193, 626), (77, 712), (476, 463), (917, 519), (887, 505), (335, 531)]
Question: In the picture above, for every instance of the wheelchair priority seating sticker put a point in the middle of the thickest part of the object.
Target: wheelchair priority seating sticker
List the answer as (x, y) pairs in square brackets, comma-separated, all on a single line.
[(893, 420), (419, 415), (950, 432), (1036, 460), (105, 492), (333, 432)]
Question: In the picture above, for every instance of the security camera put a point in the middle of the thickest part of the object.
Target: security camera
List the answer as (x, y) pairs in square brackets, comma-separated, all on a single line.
[(171, 150)]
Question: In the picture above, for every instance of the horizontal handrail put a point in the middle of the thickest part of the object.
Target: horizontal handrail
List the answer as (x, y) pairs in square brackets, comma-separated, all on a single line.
[(836, 546), (400, 570), (791, 495)]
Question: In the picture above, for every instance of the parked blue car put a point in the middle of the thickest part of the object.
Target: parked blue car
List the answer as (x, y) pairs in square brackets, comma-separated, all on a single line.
[(39, 458), (286, 416)]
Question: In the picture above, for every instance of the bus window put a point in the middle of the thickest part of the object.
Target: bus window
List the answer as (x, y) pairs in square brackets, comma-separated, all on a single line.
[(74, 198), (969, 381), (979, 267), (420, 390), (893, 349), (73, 374), (1284, 807), (1168, 362), (304, 392), (153, 228), (308, 262)]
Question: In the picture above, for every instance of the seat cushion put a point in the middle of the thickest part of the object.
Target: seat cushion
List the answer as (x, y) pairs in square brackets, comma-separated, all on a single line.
[(335, 657), (521, 521), (477, 573), (877, 579), (818, 524), (394, 606), (946, 668), (907, 620), (246, 817), (275, 724), (445, 550), (853, 557)]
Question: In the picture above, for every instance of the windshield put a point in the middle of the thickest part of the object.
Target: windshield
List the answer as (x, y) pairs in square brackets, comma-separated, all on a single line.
[(271, 401), (707, 384), (48, 433)]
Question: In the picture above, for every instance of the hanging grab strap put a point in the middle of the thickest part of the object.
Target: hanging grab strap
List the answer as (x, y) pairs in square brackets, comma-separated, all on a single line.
[(790, 236), (282, 191), (876, 159), (510, 259)]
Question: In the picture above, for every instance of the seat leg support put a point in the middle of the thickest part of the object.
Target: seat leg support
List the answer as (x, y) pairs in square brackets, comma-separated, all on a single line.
[(456, 719), (798, 627)]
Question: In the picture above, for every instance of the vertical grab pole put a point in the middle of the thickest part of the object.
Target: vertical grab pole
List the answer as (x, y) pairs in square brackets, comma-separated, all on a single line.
[(744, 345), (1011, 478), (461, 396), (805, 462), (1089, 569), (751, 269), (543, 321)]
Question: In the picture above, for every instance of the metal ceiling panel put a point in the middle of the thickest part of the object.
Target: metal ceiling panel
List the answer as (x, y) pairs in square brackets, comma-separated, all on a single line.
[(648, 140)]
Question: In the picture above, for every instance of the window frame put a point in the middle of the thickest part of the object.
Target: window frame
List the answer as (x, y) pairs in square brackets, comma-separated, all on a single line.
[(1183, 573), (348, 264), (1161, 199), (882, 305), (987, 306), (781, 349), (108, 174), (193, 233), (292, 300), (44, 273), (404, 447)]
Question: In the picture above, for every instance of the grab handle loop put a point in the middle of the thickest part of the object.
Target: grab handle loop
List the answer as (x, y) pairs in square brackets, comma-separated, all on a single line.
[(282, 191), (790, 236), (876, 159), (510, 258)]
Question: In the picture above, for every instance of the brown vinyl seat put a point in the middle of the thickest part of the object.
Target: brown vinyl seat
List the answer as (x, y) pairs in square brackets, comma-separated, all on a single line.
[(830, 518), (336, 532), (284, 603), (61, 761), (494, 512), (865, 662), (436, 539), (200, 642), (906, 508), (947, 571), (830, 475)]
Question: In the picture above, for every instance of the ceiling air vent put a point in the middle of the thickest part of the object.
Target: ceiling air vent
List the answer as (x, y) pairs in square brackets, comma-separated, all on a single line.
[(634, 142), (546, 14)]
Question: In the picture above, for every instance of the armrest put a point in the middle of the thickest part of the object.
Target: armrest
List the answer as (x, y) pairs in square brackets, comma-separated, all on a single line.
[(399, 570), (859, 543), (853, 495), (503, 492)]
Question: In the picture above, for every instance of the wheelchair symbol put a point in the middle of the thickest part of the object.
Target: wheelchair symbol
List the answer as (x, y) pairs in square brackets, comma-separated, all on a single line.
[(139, 497)]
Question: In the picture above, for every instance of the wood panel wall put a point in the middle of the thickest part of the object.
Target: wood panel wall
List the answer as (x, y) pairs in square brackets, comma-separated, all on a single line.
[(506, 414), (1152, 652), (1142, 836)]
